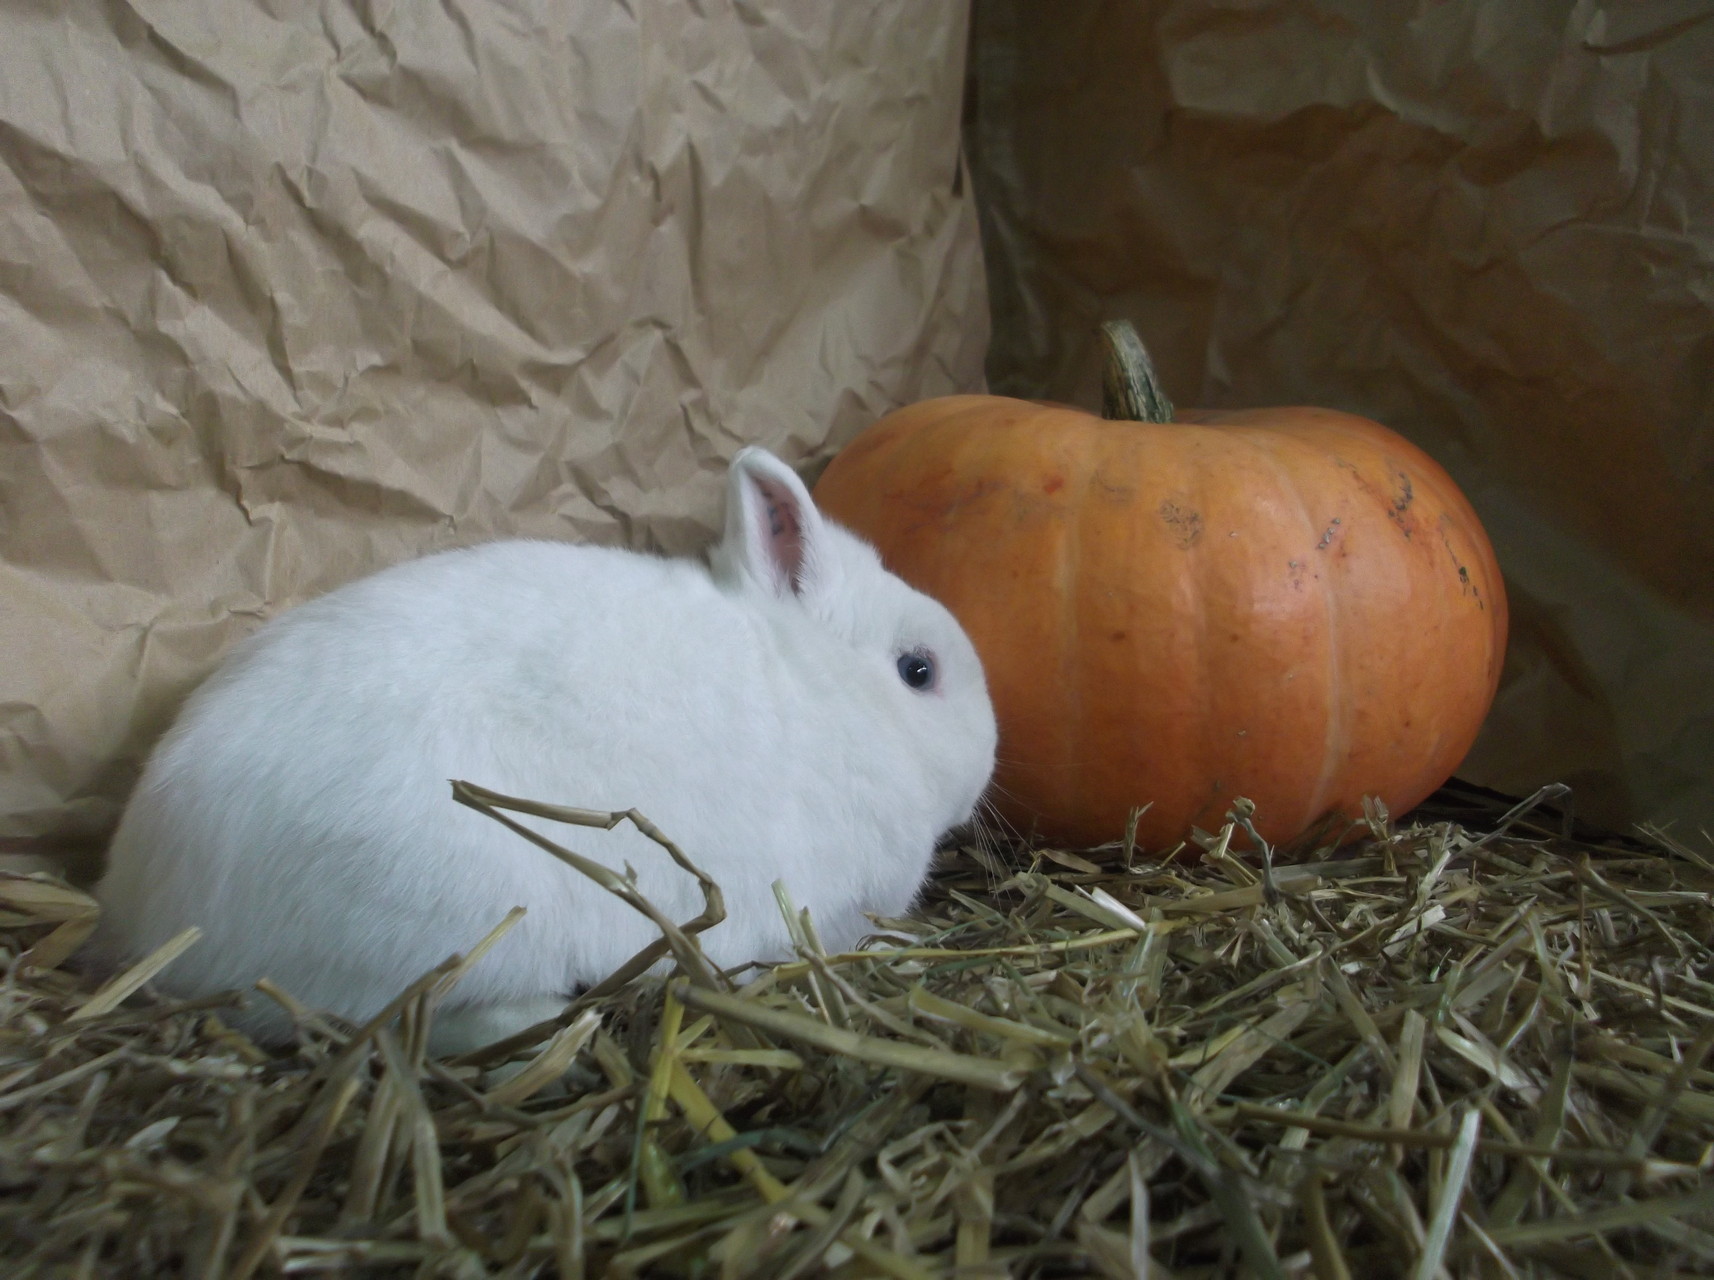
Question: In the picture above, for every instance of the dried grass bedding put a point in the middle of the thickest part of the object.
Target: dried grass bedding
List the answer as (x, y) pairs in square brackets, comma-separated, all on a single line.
[(1470, 1045)]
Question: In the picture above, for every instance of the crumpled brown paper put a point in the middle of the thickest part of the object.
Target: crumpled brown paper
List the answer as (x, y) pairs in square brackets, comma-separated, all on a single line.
[(1487, 225), (288, 292)]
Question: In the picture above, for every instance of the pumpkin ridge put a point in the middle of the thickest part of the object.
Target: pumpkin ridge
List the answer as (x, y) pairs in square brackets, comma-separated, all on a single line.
[(1336, 728), (1120, 774), (1210, 807), (1067, 560), (1416, 716)]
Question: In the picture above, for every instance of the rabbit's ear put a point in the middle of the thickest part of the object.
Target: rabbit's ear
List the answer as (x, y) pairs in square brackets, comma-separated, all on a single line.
[(773, 531)]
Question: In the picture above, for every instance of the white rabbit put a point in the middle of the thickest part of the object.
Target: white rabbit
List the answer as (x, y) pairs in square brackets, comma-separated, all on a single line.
[(790, 712)]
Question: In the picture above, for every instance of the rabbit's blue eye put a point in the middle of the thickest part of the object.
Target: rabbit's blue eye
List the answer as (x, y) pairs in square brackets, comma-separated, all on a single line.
[(916, 669)]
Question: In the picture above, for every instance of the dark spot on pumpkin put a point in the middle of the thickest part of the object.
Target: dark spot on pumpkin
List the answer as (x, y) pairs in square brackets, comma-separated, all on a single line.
[(1121, 635), (1396, 504), (1186, 525), (1401, 504), (1406, 494), (1053, 485), (1465, 586)]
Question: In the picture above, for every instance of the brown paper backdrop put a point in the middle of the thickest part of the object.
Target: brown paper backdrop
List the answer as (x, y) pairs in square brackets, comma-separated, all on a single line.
[(291, 291), (1488, 224)]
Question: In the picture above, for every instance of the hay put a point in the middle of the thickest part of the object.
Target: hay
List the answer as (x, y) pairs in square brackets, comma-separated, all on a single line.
[(1442, 1053)]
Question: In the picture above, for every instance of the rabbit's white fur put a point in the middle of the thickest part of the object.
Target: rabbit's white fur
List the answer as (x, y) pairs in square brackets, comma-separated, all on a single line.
[(299, 811)]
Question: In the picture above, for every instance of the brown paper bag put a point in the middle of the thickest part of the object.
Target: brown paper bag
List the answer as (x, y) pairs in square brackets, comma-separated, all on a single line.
[(291, 292)]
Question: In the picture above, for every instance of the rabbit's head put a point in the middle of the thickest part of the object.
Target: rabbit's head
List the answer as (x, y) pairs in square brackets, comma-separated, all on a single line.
[(915, 669)]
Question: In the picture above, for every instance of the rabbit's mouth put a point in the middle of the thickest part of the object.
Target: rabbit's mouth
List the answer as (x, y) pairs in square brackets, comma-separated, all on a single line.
[(963, 814), (968, 814)]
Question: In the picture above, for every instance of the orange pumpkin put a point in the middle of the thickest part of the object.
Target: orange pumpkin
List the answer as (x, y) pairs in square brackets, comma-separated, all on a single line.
[(1293, 605)]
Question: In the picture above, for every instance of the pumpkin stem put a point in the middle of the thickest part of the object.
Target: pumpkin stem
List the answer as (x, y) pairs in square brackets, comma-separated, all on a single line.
[(1130, 390)]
